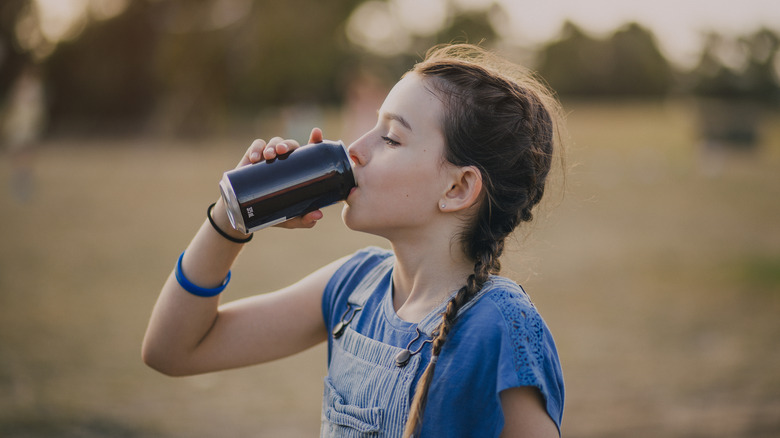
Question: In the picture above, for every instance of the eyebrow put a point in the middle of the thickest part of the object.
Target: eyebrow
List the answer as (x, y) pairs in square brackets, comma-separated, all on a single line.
[(398, 118)]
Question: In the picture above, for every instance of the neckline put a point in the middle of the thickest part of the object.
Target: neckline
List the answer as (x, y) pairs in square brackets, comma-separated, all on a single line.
[(430, 321), (427, 324)]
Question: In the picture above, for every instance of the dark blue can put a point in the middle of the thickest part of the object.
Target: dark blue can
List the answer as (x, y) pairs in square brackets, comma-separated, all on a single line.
[(270, 192)]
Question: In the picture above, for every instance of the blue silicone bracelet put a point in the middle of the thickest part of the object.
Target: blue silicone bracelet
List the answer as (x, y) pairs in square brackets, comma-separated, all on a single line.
[(195, 289)]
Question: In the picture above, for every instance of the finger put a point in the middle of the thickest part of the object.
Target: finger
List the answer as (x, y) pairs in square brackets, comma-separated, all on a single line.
[(310, 219), (278, 146), (315, 136), (306, 221), (269, 153), (253, 153)]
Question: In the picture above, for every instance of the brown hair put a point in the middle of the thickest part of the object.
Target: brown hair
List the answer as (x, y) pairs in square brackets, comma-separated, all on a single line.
[(502, 120)]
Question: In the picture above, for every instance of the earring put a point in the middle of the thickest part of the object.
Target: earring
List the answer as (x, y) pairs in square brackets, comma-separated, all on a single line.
[(443, 205)]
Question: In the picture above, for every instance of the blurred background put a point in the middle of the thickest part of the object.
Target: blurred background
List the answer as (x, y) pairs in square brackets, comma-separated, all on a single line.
[(655, 260)]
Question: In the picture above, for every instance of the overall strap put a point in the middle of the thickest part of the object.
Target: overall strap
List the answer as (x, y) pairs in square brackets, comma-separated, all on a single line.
[(369, 283)]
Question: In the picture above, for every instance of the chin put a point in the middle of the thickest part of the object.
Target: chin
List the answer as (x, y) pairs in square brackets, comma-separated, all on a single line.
[(355, 222), (348, 218)]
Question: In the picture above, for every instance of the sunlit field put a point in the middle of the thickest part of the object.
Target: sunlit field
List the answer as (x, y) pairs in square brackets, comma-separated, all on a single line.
[(655, 263)]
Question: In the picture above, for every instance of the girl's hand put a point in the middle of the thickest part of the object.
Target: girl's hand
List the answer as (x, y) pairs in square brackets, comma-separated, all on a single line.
[(262, 150)]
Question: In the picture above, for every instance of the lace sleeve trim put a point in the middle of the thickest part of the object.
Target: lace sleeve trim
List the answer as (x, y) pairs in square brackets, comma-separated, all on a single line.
[(526, 335)]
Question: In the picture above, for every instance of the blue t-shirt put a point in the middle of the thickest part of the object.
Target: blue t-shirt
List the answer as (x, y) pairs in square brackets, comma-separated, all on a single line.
[(500, 342)]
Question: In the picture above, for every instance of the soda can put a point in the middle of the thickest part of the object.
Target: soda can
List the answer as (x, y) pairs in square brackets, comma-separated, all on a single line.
[(266, 193)]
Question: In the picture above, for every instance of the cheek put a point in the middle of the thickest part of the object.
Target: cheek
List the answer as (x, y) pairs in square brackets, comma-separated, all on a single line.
[(402, 181), (403, 187)]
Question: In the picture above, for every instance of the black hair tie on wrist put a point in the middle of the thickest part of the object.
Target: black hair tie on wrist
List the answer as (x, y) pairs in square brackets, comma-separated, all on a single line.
[(222, 233)]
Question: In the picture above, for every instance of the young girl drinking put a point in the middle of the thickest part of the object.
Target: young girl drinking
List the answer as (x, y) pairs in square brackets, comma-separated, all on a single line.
[(426, 340)]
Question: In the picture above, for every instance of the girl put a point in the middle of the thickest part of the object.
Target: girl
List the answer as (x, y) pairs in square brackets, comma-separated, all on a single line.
[(424, 340)]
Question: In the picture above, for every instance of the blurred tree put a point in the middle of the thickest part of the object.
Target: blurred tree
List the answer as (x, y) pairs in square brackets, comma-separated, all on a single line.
[(640, 68), (189, 63), (472, 27), (576, 63), (751, 77), (12, 57), (761, 72), (289, 51), (194, 62), (735, 81), (628, 63), (105, 77)]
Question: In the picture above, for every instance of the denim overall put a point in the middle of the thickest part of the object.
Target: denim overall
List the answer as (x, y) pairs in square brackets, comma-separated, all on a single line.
[(366, 394)]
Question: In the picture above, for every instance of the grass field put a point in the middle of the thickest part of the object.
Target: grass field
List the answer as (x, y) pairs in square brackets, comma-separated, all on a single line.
[(658, 271)]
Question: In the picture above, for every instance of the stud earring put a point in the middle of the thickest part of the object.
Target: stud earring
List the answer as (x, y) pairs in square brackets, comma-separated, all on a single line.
[(443, 205)]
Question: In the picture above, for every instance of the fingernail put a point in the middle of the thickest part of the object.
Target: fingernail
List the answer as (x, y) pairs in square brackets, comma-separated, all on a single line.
[(254, 156)]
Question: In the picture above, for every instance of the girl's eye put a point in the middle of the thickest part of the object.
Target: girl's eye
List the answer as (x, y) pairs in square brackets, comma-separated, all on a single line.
[(390, 141)]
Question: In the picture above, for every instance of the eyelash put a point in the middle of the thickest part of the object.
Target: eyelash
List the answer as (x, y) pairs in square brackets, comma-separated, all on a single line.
[(390, 141)]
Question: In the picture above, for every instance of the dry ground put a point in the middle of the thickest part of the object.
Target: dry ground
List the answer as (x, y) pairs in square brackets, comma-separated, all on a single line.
[(658, 272)]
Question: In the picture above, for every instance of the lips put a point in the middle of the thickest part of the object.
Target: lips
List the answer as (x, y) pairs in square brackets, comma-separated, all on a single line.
[(354, 178)]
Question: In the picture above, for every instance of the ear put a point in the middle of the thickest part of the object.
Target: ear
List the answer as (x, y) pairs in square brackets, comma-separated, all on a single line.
[(464, 191)]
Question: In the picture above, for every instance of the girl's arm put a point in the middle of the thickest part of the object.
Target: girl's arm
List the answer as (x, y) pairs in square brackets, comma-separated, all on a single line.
[(525, 415), (189, 334)]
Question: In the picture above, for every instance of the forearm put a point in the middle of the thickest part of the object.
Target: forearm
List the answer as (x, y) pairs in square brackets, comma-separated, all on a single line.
[(181, 320)]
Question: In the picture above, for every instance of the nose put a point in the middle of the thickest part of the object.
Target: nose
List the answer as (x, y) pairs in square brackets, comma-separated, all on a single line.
[(357, 151)]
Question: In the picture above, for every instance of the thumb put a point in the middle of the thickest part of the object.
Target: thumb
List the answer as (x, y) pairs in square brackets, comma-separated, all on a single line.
[(315, 136)]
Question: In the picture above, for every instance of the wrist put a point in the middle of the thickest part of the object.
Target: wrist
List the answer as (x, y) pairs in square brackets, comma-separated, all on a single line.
[(217, 215)]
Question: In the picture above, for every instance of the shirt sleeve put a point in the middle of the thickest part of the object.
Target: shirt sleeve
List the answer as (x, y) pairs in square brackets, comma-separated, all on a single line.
[(528, 355)]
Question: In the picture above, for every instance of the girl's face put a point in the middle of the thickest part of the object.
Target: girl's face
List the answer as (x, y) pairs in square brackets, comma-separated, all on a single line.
[(399, 165)]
